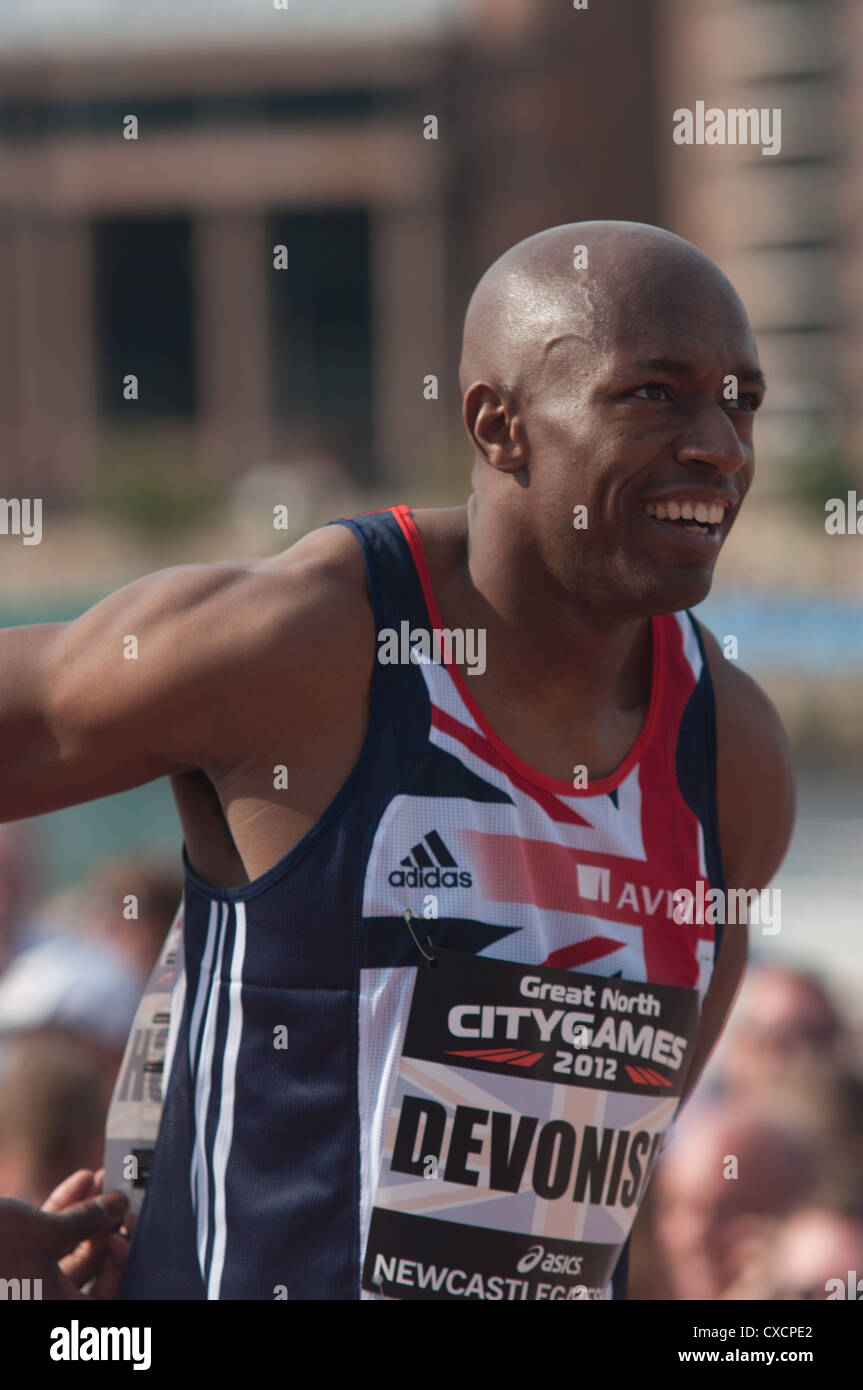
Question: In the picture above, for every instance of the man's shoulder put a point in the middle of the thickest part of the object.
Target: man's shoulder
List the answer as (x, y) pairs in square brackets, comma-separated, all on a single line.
[(755, 778), (318, 585), (329, 556), (293, 644), (740, 697)]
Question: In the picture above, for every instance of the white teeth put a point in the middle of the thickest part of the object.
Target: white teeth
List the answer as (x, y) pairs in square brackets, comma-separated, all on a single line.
[(698, 513)]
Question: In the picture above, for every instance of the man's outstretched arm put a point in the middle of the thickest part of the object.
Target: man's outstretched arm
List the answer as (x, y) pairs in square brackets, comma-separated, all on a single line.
[(183, 669)]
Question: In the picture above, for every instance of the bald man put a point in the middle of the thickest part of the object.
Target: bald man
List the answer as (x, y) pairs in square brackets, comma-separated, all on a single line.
[(443, 776)]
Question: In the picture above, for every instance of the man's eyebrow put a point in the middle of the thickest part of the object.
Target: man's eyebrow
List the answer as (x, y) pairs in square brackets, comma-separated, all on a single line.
[(746, 371)]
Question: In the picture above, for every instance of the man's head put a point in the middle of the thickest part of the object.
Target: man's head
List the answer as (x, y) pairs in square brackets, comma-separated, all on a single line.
[(627, 383)]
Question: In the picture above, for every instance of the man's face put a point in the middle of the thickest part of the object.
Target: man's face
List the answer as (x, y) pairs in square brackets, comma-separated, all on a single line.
[(644, 419)]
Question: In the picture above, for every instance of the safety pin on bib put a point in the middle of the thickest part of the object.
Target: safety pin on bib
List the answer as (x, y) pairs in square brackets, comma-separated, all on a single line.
[(428, 957)]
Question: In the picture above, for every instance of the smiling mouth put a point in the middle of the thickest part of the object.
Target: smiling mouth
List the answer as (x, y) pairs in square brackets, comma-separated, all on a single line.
[(696, 518)]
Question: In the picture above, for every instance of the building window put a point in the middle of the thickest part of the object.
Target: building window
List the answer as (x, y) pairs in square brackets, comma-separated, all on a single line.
[(144, 317), (320, 321)]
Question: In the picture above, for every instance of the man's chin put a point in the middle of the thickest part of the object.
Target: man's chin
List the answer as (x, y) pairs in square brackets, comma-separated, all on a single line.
[(672, 591), (684, 596)]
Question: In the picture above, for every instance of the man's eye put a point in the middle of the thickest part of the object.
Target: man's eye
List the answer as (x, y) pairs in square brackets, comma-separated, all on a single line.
[(747, 403), (651, 386)]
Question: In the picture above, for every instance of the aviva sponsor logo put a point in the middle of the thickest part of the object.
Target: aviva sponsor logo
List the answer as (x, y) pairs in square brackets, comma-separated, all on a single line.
[(430, 865)]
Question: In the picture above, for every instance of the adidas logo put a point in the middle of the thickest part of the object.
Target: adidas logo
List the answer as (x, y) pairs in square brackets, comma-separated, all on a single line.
[(430, 865)]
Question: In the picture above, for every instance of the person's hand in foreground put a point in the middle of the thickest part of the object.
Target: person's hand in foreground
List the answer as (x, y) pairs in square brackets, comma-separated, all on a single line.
[(67, 1243)]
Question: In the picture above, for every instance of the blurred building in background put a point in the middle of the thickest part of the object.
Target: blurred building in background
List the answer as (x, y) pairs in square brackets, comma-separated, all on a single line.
[(155, 256), (785, 227)]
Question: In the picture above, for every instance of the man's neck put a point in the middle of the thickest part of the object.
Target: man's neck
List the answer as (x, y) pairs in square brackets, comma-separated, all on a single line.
[(542, 644)]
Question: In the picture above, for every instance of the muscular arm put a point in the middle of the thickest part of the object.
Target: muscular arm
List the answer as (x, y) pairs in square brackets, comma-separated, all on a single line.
[(756, 804), (224, 652)]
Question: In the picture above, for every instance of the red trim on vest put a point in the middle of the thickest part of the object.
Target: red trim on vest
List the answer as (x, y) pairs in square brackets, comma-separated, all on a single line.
[(670, 830), (660, 627)]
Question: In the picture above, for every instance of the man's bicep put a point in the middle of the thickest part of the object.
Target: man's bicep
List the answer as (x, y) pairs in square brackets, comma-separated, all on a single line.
[(190, 667), (107, 701), (172, 665), (755, 790), (757, 801), (202, 666)]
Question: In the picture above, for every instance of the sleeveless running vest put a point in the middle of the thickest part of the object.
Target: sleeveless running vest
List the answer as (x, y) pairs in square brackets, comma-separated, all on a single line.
[(432, 1052)]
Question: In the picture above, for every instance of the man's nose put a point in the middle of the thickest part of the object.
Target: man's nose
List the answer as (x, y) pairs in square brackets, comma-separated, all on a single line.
[(712, 439)]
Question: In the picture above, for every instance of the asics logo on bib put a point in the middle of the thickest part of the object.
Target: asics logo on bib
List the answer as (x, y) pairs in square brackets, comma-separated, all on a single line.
[(430, 865), (552, 1264)]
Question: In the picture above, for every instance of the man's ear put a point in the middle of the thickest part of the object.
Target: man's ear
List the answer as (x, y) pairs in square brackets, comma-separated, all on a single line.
[(496, 428)]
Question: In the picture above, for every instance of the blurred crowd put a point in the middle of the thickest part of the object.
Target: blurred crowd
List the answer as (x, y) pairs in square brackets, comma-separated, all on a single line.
[(73, 968), (758, 1196), (760, 1193)]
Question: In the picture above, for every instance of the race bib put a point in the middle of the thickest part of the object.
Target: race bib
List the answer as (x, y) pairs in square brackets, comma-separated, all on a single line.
[(528, 1113), (135, 1112)]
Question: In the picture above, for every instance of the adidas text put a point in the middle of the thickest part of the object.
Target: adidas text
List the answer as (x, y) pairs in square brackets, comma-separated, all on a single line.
[(430, 878)]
